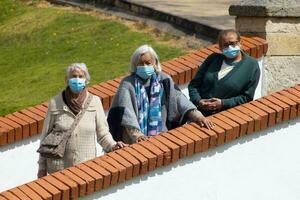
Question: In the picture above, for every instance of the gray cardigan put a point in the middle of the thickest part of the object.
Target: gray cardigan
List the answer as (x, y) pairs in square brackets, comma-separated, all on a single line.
[(124, 110)]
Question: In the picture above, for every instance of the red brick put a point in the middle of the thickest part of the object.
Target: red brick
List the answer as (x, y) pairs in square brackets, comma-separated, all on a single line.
[(2, 198), (196, 139), (167, 153), (33, 126), (9, 195), (291, 103), (123, 162), (8, 124), (83, 175), (191, 60), (253, 115), (152, 159), (95, 175), (155, 150), (118, 166), (74, 188), (263, 42), (180, 143), (245, 117), (264, 115), (271, 112), (29, 192), (259, 46), (229, 131), (105, 91), (81, 182), (104, 97), (10, 132), (22, 123), (292, 97), (214, 48), (286, 107), (243, 125), (172, 73), (279, 110), (188, 70), (213, 134), (39, 190), (39, 119), (105, 174), (175, 149), (65, 190), (3, 136), (109, 87), (190, 143), (253, 50), (56, 194), (202, 135), (180, 72), (236, 126), (193, 66), (113, 83), (206, 51), (21, 195), (42, 108), (294, 91), (37, 111), (127, 156), (142, 159), (196, 57), (113, 171)]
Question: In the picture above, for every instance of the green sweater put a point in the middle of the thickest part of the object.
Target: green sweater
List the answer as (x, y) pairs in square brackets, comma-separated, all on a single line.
[(236, 88)]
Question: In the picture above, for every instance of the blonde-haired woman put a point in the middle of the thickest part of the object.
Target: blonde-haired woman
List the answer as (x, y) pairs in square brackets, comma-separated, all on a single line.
[(148, 102)]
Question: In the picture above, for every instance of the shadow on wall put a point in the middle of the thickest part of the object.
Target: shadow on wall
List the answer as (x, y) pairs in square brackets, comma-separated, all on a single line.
[(192, 159)]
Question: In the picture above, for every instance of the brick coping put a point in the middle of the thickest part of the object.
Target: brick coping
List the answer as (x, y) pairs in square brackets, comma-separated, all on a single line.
[(161, 150), (28, 122)]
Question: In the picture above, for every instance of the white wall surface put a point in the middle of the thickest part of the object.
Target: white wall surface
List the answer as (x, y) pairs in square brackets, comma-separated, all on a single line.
[(262, 166)]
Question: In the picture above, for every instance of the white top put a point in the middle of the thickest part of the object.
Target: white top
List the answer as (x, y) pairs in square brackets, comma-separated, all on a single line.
[(225, 69)]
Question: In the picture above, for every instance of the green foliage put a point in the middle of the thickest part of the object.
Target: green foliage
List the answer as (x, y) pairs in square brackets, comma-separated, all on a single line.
[(37, 44)]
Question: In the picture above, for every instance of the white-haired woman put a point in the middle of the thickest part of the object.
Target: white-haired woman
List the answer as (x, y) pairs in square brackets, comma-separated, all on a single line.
[(62, 112), (147, 101)]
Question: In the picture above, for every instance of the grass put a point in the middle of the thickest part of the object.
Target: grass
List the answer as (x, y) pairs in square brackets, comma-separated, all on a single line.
[(37, 44)]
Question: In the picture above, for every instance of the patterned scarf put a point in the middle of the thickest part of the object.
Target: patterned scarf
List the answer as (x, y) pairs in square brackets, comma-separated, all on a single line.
[(149, 108), (74, 102)]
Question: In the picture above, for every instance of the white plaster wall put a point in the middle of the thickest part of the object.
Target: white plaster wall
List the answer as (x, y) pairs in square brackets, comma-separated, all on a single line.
[(265, 165)]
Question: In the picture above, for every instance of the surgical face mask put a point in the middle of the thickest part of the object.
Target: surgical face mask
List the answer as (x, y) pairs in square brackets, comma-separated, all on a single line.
[(231, 51), (76, 85), (145, 71)]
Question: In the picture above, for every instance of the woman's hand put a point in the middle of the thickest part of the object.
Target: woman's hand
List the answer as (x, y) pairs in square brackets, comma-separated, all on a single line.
[(141, 138), (41, 173), (119, 145), (204, 122)]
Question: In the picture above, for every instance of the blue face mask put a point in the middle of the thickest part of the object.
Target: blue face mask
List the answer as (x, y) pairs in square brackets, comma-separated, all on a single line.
[(145, 71), (231, 51), (76, 85)]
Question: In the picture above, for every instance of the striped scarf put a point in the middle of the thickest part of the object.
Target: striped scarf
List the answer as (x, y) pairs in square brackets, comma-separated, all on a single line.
[(149, 108)]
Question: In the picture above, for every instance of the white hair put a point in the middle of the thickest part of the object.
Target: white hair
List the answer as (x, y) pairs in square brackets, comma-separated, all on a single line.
[(80, 66), (135, 58)]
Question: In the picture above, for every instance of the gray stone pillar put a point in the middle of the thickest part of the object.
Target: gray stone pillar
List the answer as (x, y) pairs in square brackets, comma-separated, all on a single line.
[(278, 21)]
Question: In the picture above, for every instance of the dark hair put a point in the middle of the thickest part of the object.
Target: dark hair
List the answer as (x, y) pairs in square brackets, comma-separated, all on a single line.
[(223, 33)]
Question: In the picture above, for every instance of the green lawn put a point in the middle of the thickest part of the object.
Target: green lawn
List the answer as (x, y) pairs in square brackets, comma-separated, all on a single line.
[(37, 44)]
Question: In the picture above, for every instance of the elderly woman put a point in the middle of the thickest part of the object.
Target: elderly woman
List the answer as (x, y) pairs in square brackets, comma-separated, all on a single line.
[(147, 101), (63, 110), (226, 79)]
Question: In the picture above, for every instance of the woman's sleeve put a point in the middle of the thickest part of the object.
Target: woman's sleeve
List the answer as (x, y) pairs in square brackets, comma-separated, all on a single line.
[(196, 82), (247, 94), (47, 127), (104, 138)]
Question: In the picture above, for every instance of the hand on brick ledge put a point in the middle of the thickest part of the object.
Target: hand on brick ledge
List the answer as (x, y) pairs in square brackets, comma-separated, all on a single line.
[(204, 122), (119, 145), (142, 138)]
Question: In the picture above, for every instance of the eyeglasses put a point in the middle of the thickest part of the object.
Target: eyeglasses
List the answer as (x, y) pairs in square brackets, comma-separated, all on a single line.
[(233, 43)]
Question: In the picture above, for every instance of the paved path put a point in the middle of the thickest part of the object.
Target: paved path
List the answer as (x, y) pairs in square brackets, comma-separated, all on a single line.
[(213, 13)]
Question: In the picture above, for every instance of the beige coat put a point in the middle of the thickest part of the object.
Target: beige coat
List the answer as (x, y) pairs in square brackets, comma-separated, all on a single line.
[(81, 145)]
